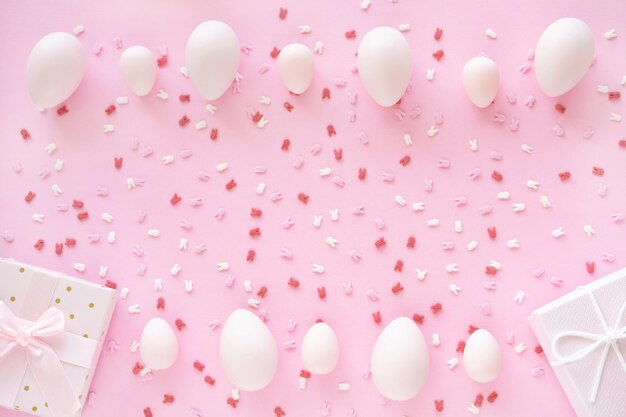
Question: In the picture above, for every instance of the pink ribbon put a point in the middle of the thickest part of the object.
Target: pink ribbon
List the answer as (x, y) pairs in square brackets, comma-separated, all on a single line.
[(29, 348)]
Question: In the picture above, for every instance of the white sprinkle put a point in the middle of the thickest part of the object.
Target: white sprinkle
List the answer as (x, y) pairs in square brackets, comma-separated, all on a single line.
[(304, 29), (188, 285), (317, 220), (557, 233), (432, 131), (56, 190), (121, 100), (154, 232), (344, 386), (184, 72), (454, 289), (458, 226), (202, 124), (332, 242), (602, 89), (451, 268), (265, 100), (162, 94), (545, 202), (532, 184), (318, 269), (615, 117), (319, 47), (611, 34), (436, 339), (130, 182), (421, 274), (324, 172), (519, 207), (134, 309), (623, 82), (182, 244), (78, 30), (302, 383), (260, 189), (124, 293), (473, 145), (254, 303), (108, 128), (102, 271), (247, 286), (58, 165), (78, 266), (495, 264), (365, 4), (175, 269), (404, 27), (430, 75), (223, 266), (418, 206), (519, 297), (472, 245), (589, 231), (50, 148), (334, 214), (158, 284), (168, 159), (134, 346), (513, 243), (106, 217), (221, 167), (408, 140), (491, 34), (400, 200), (527, 148), (473, 409), (503, 195), (111, 237), (432, 222), (519, 348), (452, 362), (39, 218)]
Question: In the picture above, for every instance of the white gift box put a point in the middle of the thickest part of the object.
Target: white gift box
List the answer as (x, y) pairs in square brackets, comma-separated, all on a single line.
[(583, 335), (52, 329)]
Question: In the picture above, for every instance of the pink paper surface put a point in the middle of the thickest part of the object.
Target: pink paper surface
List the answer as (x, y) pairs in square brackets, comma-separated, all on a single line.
[(88, 156)]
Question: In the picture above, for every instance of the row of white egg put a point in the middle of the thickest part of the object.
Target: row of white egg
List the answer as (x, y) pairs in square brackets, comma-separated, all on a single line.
[(249, 358), (56, 64)]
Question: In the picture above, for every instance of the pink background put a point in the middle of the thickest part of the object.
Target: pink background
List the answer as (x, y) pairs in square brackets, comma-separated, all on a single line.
[(89, 155)]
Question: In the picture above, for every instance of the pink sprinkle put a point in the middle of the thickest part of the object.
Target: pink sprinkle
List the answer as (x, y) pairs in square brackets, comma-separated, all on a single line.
[(200, 248), (93, 238), (510, 96), (443, 163), (147, 151), (286, 253), (509, 337), (186, 224), (415, 112), (379, 222), (43, 174), (259, 169), (537, 273), (498, 118), (141, 270), (484, 210), (297, 164), (219, 214), (558, 130), (196, 202), (17, 167), (474, 174), (203, 176), (387, 177), (8, 237), (525, 67), (141, 216), (214, 324), (277, 196), (338, 181), (137, 251), (363, 138), (588, 133), (288, 222), (134, 144), (399, 113), (530, 101), (617, 217), (556, 281), (490, 285), (608, 257), (62, 207), (263, 315), (97, 48), (102, 192), (91, 398), (358, 210), (439, 118), (537, 371), (356, 256), (460, 201), (315, 149), (514, 124), (185, 153), (496, 156), (486, 307), (263, 69), (428, 184), (230, 280)]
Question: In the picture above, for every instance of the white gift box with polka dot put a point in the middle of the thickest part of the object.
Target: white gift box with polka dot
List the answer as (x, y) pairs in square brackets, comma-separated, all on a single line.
[(87, 308)]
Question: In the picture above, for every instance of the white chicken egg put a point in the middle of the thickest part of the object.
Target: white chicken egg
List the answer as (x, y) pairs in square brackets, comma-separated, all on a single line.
[(481, 80), (56, 66), (158, 345), (399, 363), (563, 55), (320, 349), (295, 64), (481, 357), (212, 57), (248, 353), (139, 69), (384, 65)]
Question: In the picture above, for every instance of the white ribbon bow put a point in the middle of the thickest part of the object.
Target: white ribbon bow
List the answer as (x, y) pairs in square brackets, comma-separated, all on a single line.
[(609, 339)]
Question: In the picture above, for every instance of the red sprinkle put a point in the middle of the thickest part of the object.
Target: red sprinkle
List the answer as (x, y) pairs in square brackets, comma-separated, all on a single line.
[(209, 380), (496, 176), (77, 204), (183, 121), (362, 173), (175, 199), (591, 267), (437, 36), (303, 197), (538, 349), (598, 171), (305, 374), (614, 95), (436, 308), (559, 107), (472, 329), (231, 184), (255, 232), (418, 318), (380, 243), (110, 284), (180, 325), (285, 144), (168, 398), (39, 244), (330, 129), (160, 303), (118, 163), (376, 317), (338, 154), (321, 293), (490, 270), (83, 215), (398, 266), (255, 212), (162, 61), (492, 232), (410, 243), (58, 248), (69, 242), (275, 52), (460, 347), (214, 133), (294, 283), (251, 255), (351, 34), (438, 403), (29, 197), (256, 117), (478, 401), (279, 412), (565, 175), (287, 105), (110, 110), (184, 98), (232, 402), (137, 368), (492, 397), (25, 134), (438, 55), (325, 94), (262, 291), (62, 110), (405, 160), (622, 143), (147, 412), (282, 14), (397, 288)]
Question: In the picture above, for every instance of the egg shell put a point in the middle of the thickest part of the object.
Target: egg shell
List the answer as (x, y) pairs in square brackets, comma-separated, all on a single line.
[(295, 64), (212, 57), (481, 80), (563, 55), (482, 357), (320, 349), (399, 363), (248, 353), (55, 68), (158, 346), (384, 65), (139, 69)]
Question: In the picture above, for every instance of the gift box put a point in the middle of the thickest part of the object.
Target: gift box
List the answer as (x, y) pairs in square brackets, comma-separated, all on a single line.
[(583, 335), (52, 328)]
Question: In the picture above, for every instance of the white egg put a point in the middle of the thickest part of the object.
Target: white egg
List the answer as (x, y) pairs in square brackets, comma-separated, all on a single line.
[(212, 57), (399, 363), (248, 352), (563, 55), (384, 64), (481, 80), (158, 346), (295, 63), (139, 69), (481, 357), (56, 66), (320, 349)]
